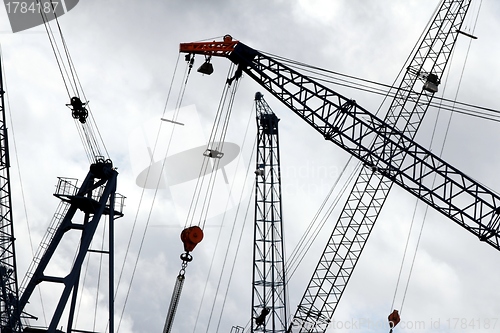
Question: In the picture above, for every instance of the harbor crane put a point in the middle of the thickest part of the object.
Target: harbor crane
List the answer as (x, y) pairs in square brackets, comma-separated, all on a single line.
[(385, 147)]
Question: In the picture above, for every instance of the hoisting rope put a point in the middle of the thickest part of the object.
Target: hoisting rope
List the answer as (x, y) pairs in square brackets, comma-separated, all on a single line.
[(427, 207), (319, 220), (80, 109), (226, 254), (321, 74), (176, 294), (217, 242), (245, 219), (352, 82), (212, 155), (13, 142), (193, 231), (196, 217), (177, 107)]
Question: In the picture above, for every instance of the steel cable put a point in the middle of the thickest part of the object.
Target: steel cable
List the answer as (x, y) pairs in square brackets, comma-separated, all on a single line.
[(224, 218), (427, 207)]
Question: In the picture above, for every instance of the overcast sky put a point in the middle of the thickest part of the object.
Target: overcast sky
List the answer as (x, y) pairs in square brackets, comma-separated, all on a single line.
[(125, 53)]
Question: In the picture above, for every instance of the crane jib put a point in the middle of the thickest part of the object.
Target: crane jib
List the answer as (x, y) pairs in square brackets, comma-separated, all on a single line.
[(456, 195)]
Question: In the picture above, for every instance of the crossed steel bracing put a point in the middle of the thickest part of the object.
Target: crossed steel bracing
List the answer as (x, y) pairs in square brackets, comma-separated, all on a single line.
[(268, 294)]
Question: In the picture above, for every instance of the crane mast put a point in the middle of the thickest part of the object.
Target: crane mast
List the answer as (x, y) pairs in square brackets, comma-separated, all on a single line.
[(9, 294), (348, 125), (269, 299), (385, 147)]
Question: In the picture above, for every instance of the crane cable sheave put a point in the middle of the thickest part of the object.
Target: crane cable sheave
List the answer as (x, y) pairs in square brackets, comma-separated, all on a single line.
[(88, 132)]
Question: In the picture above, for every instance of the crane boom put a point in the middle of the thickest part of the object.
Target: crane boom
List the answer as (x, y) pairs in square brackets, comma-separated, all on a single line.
[(368, 195), (343, 122), (95, 198)]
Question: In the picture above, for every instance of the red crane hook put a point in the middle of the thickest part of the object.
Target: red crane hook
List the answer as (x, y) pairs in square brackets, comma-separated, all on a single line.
[(190, 237)]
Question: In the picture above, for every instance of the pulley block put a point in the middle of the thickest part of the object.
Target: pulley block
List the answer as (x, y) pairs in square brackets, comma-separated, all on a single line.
[(190, 237)]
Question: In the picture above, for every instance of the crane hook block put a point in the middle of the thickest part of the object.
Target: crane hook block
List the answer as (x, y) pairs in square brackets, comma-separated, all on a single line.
[(394, 319), (190, 237), (78, 109)]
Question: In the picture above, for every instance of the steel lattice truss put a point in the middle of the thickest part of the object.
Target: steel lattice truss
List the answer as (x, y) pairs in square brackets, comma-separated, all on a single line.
[(9, 303), (269, 271), (368, 195), (386, 149)]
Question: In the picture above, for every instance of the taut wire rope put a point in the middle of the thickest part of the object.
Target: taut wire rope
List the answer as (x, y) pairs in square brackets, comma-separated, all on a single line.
[(21, 183), (224, 219), (427, 207)]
